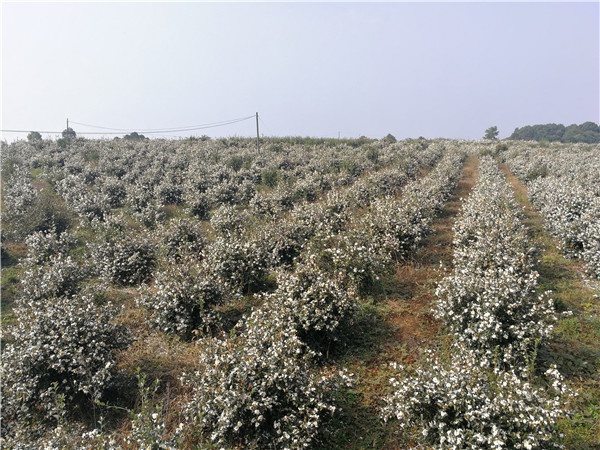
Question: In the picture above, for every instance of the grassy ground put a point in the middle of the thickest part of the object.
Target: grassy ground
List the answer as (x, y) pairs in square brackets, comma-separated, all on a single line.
[(575, 347)]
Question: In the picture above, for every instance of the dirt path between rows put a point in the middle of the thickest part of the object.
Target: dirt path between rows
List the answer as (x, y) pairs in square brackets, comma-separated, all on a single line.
[(410, 313)]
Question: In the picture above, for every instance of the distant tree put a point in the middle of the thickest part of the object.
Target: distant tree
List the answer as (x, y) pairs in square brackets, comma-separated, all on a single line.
[(552, 132), (34, 136), (134, 136), (590, 126), (69, 133), (491, 133), (390, 139)]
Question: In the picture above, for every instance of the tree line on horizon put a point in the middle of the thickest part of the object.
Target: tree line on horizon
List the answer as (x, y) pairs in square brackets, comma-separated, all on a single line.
[(587, 132)]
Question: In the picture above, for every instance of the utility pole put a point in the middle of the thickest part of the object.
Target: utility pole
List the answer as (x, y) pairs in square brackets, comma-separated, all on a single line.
[(67, 125), (257, 135)]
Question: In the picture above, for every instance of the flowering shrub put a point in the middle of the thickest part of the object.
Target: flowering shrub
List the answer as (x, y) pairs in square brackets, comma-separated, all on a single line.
[(198, 205), (590, 238), (181, 237), (19, 194), (180, 298), (351, 256), (314, 302), (496, 312), (284, 240), (226, 219), (60, 276), (169, 193), (87, 202), (42, 245), (27, 210), (467, 405), (114, 191), (260, 388), (121, 256), (241, 264), (67, 347)]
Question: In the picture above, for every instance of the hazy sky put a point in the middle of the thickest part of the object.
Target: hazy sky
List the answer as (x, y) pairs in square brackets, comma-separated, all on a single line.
[(310, 69)]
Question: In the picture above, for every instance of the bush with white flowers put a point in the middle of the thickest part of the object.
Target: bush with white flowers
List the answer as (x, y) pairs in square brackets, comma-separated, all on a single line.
[(316, 303), (42, 245), (60, 276), (227, 219), (67, 347), (181, 237), (351, 256), (563, 184), (19, 194), (464, 404), (239, 262), (80, 197), (122, 256), (260, 388), (181, 297)]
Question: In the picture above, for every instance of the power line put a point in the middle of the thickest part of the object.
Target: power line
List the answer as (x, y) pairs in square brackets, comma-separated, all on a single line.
[(150, 131)]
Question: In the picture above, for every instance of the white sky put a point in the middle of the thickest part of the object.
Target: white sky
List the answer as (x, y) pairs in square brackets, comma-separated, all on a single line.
[(309, 69)]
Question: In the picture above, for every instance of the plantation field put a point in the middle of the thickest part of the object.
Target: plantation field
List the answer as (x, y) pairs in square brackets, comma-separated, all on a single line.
[(328, 294)]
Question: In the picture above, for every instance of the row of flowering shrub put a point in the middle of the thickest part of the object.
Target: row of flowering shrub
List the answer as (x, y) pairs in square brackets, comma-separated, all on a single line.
[(463, 404), (563, 184), (489, 302), (486, 396)]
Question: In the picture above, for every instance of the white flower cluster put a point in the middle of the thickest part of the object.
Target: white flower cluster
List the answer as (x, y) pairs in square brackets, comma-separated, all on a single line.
[(572, 214), (42, 245), (113, 190), (80, 197), (351, 255), (464, 405), (260, 388), (67, 347), (239, 263), (180, 238), (60, 276), (490, 302), (228, 220)]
